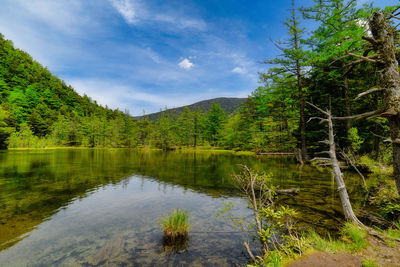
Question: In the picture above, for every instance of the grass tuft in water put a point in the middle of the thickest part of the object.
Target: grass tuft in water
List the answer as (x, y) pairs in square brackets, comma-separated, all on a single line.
[(175, 224)]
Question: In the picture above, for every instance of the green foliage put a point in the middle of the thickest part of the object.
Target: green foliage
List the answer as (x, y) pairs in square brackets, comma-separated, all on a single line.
[(355, 139), (214, 121), (175, 224), (5, 130), (386, 200), (274, 226)]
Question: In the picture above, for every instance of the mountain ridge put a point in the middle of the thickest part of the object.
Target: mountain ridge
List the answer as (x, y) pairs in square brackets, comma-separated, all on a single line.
[(228, 104)]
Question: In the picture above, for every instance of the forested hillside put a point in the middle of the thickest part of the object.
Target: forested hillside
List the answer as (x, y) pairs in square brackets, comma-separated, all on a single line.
[(38, 109)]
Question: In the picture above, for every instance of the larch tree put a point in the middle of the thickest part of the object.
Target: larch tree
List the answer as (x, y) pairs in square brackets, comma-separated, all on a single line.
[(293, 61), (340, 30)]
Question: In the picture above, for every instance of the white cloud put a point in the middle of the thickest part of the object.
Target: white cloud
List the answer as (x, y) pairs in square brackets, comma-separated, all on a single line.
[(64, 16), (196, 24), (181, 22), (126, 9), (239, 70), (136, 11), (186, 64)]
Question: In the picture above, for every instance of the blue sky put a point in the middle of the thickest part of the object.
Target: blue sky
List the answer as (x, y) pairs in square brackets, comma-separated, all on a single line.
[(143, 55)]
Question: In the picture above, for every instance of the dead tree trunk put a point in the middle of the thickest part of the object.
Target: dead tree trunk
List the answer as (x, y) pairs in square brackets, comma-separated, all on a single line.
[(344, 196), (383, 44), (348, 106)]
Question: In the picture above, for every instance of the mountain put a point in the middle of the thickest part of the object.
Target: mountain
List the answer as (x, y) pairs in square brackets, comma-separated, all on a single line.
[(228, 104)]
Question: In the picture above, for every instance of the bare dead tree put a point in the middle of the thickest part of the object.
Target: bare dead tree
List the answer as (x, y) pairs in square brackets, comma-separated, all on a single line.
[(337, 173), (382, 43)]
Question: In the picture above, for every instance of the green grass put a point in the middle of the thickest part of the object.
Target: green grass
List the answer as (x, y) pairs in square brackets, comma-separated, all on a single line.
[(353, 239), (175, 224), (375, 166), (369, 263), (322, 244), (355, 236)]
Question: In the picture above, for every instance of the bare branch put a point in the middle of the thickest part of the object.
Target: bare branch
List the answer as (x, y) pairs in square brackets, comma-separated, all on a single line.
[(370, 91), (322, 120), (320, 110), (370, 39), (360, 116), (246, 245), (393, 16), (369, 58), (387, 140), (348, 159)]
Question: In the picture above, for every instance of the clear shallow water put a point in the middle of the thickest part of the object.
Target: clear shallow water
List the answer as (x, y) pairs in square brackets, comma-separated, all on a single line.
[(83, 207)]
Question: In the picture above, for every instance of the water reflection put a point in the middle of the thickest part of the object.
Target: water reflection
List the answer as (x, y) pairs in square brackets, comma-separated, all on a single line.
[(91, 207)]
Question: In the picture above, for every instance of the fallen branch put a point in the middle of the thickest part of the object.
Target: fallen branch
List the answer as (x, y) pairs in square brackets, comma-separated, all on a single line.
[(290, 191), (275, 153), (320, 158)]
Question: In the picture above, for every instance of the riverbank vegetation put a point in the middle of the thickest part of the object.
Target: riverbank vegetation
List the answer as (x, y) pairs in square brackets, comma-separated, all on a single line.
[(274, 238)]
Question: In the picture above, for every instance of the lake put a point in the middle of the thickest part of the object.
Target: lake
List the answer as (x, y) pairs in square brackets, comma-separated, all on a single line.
[(90, 207)]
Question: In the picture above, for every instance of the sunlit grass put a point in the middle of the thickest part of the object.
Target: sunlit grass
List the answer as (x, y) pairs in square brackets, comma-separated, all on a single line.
[(353, 239), (322, 244), (175, 224), (355, 236), (369, 263)]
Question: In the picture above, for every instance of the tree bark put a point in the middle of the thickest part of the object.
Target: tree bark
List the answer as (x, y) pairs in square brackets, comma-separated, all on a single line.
[(390, 80), (303, 144), (348, 105), (344, 197), (337, 173)]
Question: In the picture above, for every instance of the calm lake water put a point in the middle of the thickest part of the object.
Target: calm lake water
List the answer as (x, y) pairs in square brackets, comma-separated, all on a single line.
[(90, 207)]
